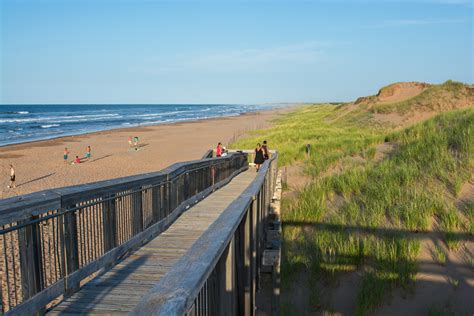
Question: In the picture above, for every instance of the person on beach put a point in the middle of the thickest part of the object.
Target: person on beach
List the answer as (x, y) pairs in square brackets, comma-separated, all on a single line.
[(135, 142), (130, 142), (265, 150), (77, 160), (259, 158), (88, 153), (65, 155), (219, 150), (12, 178)]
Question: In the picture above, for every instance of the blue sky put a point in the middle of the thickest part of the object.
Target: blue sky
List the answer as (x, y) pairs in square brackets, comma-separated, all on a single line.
[(227, 51)]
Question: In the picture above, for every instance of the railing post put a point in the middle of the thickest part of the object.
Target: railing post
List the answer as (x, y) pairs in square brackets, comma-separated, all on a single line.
[(253, 253), (213, 175), (259, 236), (197, 179), (242, 253), (213, 294), (109, 223), (71, 249), (166, 197), (186, 186), (137, 211), (226, 282), (174, 195), (156, 203), (29, 241)]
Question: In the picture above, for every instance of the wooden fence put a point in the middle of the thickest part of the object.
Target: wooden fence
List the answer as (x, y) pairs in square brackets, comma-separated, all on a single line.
[(219, 275), (51, 242)]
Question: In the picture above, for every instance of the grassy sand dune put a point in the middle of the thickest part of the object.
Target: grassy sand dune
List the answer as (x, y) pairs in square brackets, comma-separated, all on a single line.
[(378, 219)]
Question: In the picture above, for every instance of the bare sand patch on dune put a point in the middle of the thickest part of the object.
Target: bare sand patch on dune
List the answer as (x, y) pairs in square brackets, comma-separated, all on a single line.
[(401, 91)]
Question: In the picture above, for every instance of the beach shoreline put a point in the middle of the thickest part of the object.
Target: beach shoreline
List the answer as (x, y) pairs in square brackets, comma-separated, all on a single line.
[(134, 128), (39, 164)]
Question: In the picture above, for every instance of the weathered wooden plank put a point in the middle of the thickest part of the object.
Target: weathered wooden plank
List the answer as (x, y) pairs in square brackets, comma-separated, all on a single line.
[(104, 292), (167, 296), (109, 223), (71, 247), (22, 207), (39, 300), (112, 256), (30, 260), (167, 251)]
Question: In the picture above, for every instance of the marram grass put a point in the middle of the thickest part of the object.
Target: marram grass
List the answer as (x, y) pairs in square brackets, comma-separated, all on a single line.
[(382, 204)]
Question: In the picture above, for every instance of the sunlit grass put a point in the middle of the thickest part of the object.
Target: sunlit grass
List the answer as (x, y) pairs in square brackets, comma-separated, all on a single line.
[(380, 203), (439, 255)]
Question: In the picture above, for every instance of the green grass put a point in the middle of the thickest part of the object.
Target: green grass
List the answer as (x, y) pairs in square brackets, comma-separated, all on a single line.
[(381, 204), (439, 255), (313, 125)]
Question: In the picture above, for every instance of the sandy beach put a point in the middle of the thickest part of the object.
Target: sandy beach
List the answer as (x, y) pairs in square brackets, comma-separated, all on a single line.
[(39, 165)]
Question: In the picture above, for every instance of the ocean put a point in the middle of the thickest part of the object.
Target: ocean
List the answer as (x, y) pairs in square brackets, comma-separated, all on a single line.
[(23, 123)]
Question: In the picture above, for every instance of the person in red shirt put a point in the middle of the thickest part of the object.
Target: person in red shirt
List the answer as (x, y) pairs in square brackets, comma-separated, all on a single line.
[(219, 150), (77, 160)]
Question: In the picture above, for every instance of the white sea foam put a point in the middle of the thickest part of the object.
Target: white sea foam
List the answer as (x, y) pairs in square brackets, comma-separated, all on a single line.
[(65, 118), (50, 125), (23, 125)]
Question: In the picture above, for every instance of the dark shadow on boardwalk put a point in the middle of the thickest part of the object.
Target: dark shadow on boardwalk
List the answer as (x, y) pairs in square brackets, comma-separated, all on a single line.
[(85, 303)]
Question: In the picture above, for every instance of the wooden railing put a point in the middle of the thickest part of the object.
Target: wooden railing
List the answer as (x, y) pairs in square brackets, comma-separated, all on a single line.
[(53, 241), (208, 154), (219, 275), (250, 153)]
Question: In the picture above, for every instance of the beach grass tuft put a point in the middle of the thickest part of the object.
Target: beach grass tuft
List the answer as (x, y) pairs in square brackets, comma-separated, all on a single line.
[(358, 214)]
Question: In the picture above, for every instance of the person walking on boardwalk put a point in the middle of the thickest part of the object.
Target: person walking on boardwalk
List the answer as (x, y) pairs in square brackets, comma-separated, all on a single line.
[(65, 155), (219, 150), (259, 159), (265, 150), (12, 178)]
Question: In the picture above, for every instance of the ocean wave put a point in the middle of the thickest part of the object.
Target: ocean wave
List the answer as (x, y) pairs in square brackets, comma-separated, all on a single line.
[(148, 115), (52, 121), (184, 111), (50, 125), (65, 118), (15, 112)]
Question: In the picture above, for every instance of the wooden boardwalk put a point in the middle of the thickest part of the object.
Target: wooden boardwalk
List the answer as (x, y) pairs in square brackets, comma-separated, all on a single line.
[(120, 289)]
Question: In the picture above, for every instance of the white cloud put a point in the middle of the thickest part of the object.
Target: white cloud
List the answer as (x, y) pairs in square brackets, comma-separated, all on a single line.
[(403, 22), (414, 23)]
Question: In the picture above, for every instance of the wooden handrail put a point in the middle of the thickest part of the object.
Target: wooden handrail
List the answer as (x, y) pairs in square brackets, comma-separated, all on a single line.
[(177, 292), (24, 206), (53, 239)]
